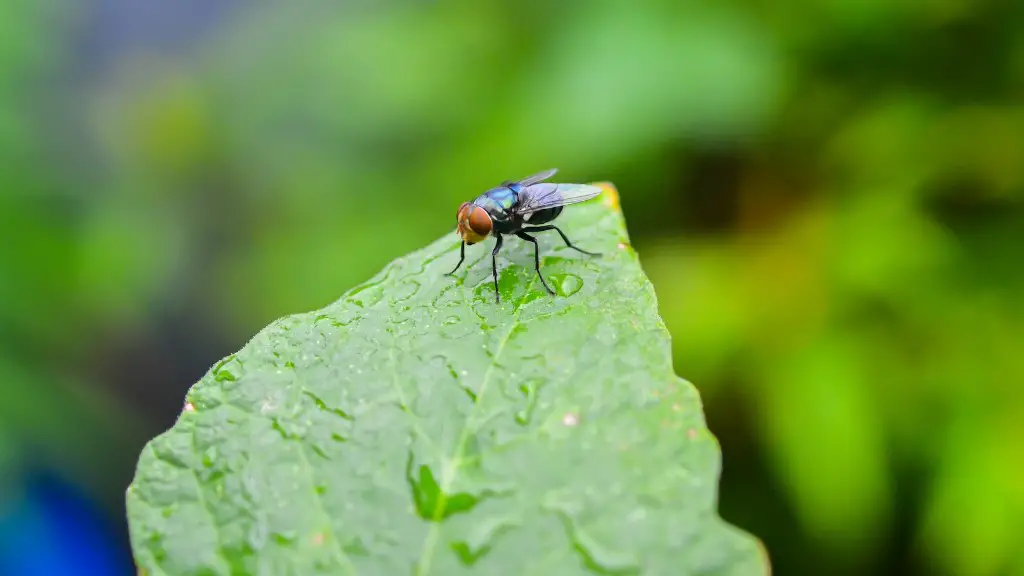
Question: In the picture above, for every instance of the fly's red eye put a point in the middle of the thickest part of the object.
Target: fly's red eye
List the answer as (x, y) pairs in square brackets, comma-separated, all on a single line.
[(479, 221)]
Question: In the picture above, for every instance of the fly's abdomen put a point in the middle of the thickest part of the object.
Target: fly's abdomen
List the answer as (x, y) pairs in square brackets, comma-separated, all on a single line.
[(543, 216)]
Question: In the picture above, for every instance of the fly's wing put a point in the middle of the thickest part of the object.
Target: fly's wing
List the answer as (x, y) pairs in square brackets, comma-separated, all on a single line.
[(550, 195), (538, 177)]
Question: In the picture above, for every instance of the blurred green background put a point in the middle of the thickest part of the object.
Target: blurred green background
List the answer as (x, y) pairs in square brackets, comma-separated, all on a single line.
[(828, 197)]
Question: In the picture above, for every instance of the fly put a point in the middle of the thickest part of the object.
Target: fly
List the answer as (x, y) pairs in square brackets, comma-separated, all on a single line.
[(520, 207)]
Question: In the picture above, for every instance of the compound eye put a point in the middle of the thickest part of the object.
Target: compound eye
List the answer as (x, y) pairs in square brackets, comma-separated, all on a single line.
[(479, 221)]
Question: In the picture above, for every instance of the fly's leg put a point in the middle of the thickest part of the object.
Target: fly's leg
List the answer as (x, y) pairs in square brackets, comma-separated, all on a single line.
[(536, 258), (562, 234), (494, 266), (462, 256)]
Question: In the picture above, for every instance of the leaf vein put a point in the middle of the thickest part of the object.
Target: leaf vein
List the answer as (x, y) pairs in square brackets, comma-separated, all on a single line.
[(455, 462), (343, 558), (405, 405)]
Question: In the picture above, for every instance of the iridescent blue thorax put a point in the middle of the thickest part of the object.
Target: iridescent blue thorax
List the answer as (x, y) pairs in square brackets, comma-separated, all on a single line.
[(498, 203)]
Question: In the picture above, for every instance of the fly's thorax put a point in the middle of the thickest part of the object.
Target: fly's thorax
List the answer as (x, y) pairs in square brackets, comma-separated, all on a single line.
[(497, 201), (474, 223), (499, 204)]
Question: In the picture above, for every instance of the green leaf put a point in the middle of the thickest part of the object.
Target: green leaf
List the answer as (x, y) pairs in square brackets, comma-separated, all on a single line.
[(415, 426)]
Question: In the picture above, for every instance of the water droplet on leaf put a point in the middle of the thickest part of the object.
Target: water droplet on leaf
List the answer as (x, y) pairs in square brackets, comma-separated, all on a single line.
[(597, 556), (284, 537), (481, 539), (566, 284), (355, 548), (529, 391)]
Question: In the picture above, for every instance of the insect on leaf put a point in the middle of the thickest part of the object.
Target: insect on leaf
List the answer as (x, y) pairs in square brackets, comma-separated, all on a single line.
[(414, 426)]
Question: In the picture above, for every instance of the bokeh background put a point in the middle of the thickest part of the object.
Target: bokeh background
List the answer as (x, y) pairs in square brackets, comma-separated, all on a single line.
[(828, 197)]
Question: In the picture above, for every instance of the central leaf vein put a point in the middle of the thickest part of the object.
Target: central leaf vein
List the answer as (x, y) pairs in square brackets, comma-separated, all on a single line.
[(452, 467)]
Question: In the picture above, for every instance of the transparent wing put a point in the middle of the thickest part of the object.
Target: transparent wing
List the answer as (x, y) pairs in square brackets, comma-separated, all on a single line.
[(549, 195), (538, 177)]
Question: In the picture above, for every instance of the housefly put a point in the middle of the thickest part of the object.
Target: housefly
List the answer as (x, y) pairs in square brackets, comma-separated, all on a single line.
[(518, 208)]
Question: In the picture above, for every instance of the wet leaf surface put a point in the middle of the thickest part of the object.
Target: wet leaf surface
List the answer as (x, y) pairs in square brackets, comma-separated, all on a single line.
[(415, 426)]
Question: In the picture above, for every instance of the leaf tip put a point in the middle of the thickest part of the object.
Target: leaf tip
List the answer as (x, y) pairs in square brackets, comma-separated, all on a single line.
[(765, 558), (611, 194)]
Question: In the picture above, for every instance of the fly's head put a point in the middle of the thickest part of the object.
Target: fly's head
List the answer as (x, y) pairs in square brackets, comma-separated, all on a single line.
[(474, 223)]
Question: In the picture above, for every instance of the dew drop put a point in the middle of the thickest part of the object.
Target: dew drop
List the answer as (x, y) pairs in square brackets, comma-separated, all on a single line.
[(566, 284), (325, 408), (355, 548), (481, 539), (536, 293), (453, 327), (224, 375), (346, 318), (598, 557), (529, 391), (210, 457), (220, 371), (366, 295), (319, 451), (289, 430), (284, 537), (407, 290)]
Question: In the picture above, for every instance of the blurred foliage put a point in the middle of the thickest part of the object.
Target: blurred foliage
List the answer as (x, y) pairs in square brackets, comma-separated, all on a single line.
[(827, 196)]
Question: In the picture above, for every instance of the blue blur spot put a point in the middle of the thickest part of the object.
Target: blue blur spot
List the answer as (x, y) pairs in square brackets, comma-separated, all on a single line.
[(49, 528)]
